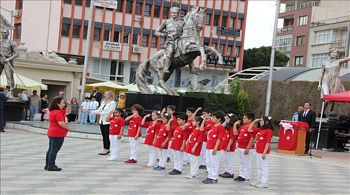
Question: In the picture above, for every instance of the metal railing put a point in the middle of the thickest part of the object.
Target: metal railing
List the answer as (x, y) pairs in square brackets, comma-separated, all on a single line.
[(339, 43), (285, 29), (300, 6), (331, 21)]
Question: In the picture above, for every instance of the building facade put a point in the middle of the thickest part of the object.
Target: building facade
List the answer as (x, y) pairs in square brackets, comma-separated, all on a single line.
[(301, 32), (123, 34)]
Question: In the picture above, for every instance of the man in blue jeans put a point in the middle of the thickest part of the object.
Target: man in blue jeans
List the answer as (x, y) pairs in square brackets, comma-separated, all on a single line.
[(34, 104)]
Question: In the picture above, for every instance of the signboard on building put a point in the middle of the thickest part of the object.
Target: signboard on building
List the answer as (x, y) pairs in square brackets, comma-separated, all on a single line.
[(111, 46), (228, 31), (228, 61), (113, 4)]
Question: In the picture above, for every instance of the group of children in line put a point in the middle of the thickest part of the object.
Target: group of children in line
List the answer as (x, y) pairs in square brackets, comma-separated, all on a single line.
[(199, 139), (88, 106)]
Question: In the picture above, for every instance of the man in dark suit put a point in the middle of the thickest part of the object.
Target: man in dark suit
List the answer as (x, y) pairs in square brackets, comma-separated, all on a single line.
[(96, 93), (309, 117)]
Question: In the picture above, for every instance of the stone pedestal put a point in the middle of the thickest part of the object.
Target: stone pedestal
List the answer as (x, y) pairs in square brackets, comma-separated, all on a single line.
[(13, 110)]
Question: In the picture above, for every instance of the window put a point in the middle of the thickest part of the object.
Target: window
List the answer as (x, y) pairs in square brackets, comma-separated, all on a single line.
[(126, 37), (116, 36), (284, 43), (183, 13), (302, 20), (133, 70), (156, 11), (106, 35), (17, 31), (216, 20), (207, 19), (232, 22), (19, 4), (120, 6), (319, 59), (154, 42), (68, 1), (65, 30), (300, 40), (237, 51), (88, 2), (222, 48), (76, 31), (145, 40), (324, 37), (224, 21), (147, 10), (116, 71), (79, 2), (298, 60), (165, 12), (239, 24), (101, 68), (135, 38), (128, 7), (97, 32), (85, 32), (229, 50), (138, 8)]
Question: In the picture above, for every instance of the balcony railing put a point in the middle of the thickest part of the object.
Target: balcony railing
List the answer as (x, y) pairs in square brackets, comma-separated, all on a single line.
[(300, 6), (285, 29), (284, 48), (330, 21), (339, 43)]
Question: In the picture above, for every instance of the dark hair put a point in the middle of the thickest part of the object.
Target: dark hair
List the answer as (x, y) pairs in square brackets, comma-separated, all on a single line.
[(94, 97), (137, 107), (34, 91), (121, 111), (167, 116), (233, 119), (42, 95), (219, 115), (172, 107), (267, 123), (54, 103), (183, 117), (250, 115), (199, 120), (308, 103), (191, 109), (207, 110), (158, 113), (71, 101)]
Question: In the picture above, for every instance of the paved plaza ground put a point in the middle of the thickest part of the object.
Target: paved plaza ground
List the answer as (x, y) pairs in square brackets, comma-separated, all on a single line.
[(85, 172)]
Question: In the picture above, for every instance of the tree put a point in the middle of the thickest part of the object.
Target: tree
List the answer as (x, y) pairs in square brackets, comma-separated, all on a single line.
[(261, 57)]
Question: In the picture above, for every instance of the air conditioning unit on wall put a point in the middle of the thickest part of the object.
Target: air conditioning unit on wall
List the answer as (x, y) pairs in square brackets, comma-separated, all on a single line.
[(136, 49)]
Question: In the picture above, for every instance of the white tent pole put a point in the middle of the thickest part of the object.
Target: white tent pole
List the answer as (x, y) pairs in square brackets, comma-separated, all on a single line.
[(319, 126)]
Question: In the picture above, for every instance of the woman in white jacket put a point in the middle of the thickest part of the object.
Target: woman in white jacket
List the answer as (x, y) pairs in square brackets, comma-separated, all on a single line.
[(105, 108)]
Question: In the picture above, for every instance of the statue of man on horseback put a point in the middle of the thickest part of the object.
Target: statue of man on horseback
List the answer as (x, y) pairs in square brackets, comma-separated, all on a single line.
[(183, 45), (171, 30)]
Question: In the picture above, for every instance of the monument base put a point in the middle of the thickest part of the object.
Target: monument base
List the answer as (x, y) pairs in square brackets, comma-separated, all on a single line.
[(13, 110), (152, 102)]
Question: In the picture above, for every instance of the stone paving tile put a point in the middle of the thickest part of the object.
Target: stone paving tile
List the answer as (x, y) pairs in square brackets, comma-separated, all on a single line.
[(85, 172)]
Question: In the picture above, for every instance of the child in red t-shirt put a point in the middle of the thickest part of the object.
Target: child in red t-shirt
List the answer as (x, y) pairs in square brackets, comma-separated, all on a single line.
[(194, 146), (116, 128), (207, 124), (263, 139), (151, 133), (170, 110), (245, 142), (228, 145), (134, 131), (191, 114), (214, 137), (178, 145), (161, 142)]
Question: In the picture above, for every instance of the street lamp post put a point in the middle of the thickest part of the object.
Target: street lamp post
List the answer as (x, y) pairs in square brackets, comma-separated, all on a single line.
[(272, 61)]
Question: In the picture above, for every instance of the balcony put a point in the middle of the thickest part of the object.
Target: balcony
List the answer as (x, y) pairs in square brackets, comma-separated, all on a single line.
[(339, 44), (300, 6), (285, 29), (330, 21)]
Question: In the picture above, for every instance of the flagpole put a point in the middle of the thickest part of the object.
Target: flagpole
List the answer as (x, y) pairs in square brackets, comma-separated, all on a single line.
[(86, 53), (272, 61)]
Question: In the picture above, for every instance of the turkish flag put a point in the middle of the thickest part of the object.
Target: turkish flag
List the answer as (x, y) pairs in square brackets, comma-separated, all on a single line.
[(288, 135)]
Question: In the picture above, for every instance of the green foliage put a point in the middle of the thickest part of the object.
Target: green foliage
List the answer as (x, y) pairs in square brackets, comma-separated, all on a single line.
[(234, 86), (243, 103), (261, 57)]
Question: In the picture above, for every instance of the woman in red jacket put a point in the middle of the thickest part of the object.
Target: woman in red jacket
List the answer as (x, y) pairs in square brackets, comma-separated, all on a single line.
[(58, 129)]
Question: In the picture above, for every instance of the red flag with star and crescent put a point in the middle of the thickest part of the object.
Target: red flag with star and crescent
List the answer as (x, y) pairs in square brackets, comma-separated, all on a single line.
[(288, 135)]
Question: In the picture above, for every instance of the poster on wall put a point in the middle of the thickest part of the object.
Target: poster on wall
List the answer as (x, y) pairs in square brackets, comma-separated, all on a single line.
[(113, 4)]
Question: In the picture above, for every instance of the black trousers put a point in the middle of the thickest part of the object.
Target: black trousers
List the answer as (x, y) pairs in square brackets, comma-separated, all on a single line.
[(72, 117), (307, 141), (105, 136), (55, 144)]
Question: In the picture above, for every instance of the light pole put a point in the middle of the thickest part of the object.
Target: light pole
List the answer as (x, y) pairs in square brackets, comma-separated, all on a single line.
[(272, 61)]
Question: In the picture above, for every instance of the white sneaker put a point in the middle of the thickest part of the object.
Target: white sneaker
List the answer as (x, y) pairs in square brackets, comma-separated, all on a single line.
[(254, 184), (262, 185), (112, 159), (189, 176)]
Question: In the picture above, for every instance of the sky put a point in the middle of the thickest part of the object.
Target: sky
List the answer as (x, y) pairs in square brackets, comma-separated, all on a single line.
[(260, 20)]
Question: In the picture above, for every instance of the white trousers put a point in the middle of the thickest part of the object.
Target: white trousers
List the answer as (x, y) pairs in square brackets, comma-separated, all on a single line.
[(228, 156), (186, 158), (245, 163), (134, 147), (263, 169), (178, 160), (202, 155), (170, 152), (194, 164), (115, 146), (213, 164), (152, 158), (162, 153)]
